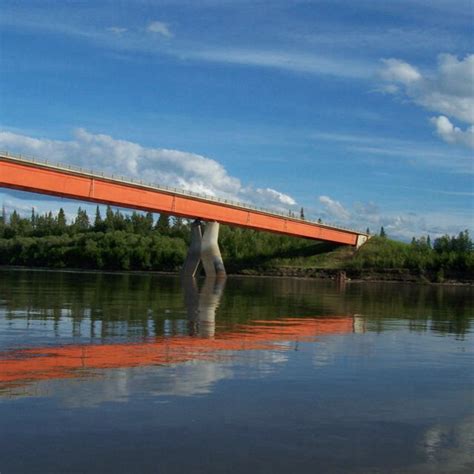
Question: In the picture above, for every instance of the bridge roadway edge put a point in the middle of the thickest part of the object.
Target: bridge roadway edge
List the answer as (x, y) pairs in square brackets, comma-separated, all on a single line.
[(37, 177)]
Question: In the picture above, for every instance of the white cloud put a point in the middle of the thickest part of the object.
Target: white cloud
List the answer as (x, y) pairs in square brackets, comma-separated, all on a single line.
[(449, 91), (117, 30), (160, 28), (388, 88), (174, 168), (399, 71), (285, 60), (277, 196), (334, 209), (399, 225), (451, 134), (10, 205)]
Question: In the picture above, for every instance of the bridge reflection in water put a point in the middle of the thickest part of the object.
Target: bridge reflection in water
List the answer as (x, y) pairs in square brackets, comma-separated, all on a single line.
[(201, 341)]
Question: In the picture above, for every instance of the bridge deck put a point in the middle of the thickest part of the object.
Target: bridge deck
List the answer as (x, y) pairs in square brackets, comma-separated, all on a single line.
[(26, 174)]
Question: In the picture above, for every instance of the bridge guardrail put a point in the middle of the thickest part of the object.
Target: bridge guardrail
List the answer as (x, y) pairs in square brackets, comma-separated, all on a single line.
[(169, 189)]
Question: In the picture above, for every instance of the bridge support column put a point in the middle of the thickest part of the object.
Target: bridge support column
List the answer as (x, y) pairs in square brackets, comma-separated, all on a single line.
[(204, 248)]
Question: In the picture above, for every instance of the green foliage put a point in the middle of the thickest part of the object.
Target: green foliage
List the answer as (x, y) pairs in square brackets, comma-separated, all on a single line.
[(118, 242), (449, 253), (131, 242), (163, 224), (81, 223), (99, 225), (61, 222), (246, 249)]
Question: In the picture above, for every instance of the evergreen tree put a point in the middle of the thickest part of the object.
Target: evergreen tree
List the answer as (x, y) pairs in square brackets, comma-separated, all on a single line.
[(49, 223), (119, 221), (81, 223), (61, 221), (180, 228), (302, 214), (367, 231), (33, 218), (163, 224), (2, 223), (109, 221), (14, 226), (382, 232), (98, 222), (136, 220), (15, 219), (149, 221)]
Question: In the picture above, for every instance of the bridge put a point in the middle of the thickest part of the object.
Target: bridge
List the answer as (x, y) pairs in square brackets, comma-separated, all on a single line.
[(65, 181)]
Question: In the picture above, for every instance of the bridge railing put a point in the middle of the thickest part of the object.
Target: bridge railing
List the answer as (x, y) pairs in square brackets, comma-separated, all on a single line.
[(172, 190)]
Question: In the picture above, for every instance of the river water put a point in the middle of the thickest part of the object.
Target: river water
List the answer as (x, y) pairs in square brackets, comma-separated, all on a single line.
[(132, 373)]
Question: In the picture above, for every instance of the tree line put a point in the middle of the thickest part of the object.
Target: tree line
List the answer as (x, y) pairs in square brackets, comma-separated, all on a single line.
[(137, 241), (121, 241)]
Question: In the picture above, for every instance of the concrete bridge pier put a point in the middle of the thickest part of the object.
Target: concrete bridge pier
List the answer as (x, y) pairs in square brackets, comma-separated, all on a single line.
[(204, 248)]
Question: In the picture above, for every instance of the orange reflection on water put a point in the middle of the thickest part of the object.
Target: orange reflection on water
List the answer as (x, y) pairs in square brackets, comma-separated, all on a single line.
[(44, 363)]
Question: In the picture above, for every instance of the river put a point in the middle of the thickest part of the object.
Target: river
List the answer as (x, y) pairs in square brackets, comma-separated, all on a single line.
[(138, 373)]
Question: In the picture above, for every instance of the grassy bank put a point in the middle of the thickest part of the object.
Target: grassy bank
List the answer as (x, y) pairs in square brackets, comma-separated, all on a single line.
[(450, 259)]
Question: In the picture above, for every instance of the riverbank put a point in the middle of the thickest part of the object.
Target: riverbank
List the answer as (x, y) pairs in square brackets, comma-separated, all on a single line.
[(391, 275), (450, 261)]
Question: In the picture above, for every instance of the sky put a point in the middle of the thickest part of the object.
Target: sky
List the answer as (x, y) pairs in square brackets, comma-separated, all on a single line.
[(359, 111)]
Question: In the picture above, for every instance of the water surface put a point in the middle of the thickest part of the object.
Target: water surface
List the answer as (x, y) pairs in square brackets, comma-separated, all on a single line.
[(143, 373)]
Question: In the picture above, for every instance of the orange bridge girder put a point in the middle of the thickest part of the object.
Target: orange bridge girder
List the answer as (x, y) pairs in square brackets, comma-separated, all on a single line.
[(34, 176)]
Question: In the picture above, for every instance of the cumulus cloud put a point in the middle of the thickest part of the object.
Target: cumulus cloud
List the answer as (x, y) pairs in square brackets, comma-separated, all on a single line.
[(448, 91), (334, 209), (160, 28), (399, 71), (174, 168), (277, 196), (451, 134)]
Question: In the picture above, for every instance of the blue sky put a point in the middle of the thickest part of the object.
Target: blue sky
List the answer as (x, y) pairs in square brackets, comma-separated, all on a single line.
[(361, 112)]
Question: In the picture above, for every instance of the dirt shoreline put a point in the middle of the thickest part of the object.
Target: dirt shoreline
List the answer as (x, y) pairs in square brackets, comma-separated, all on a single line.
[(400, 275)]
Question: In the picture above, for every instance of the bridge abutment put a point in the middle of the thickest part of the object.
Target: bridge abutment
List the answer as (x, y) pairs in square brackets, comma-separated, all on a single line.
[(361, 240), (204, 248)]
